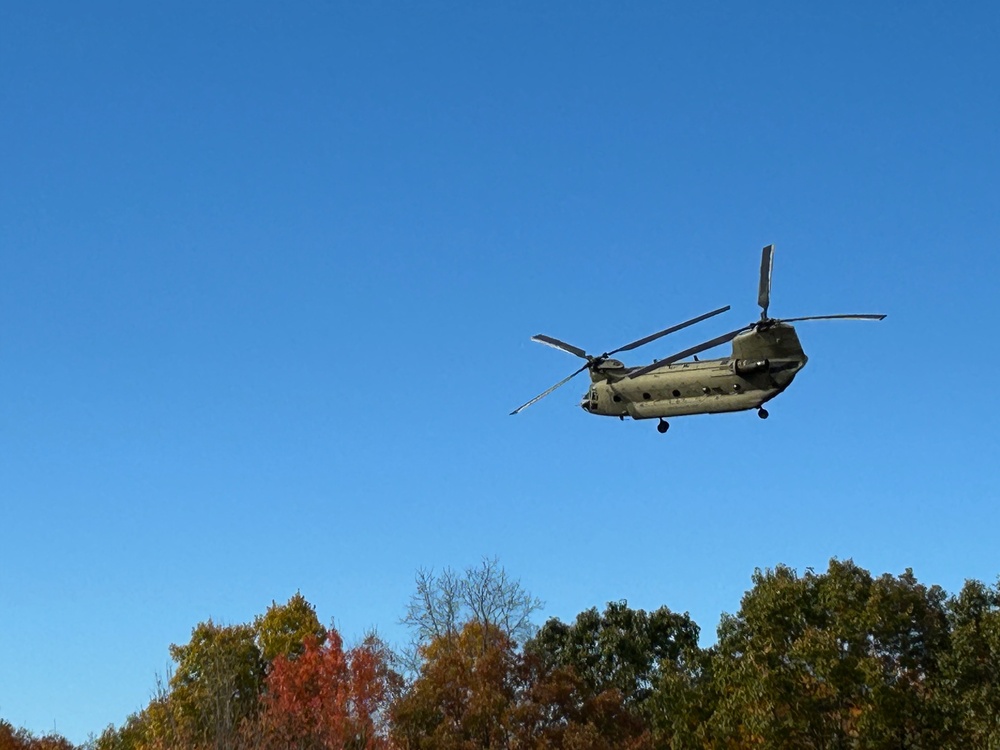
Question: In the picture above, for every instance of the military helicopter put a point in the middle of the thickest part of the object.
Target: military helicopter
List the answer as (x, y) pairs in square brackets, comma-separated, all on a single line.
[(766, 358)]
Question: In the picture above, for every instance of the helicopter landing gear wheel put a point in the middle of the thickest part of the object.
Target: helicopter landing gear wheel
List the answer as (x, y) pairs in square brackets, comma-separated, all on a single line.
[(662, 427), (762, 413)]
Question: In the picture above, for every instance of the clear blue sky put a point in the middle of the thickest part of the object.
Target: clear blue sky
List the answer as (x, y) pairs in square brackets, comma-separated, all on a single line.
[(269, 273)]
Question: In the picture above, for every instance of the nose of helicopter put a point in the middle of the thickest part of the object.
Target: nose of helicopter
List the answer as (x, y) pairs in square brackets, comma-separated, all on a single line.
[(585, 404)]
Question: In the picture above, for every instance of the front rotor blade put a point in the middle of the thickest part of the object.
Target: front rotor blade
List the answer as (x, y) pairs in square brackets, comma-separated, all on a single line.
[(726, 337), (834, 317), (764, 289), (541, 338), (665, 331), (540, 396)]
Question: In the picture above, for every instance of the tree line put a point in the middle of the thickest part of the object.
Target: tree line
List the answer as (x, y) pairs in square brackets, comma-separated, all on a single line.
[(839, 659)]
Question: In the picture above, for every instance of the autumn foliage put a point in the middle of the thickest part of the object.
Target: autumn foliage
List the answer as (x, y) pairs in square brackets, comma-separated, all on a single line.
[(326, 697), (21, 739), (839, 659)]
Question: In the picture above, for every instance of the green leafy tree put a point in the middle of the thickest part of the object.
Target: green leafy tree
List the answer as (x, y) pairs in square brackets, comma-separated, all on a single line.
[(832, 660), (153, 728), (216, 684), (642, 668), (907, 633), (622, 648), (683, 701), (131, 735), (284, 628), (970, 698)]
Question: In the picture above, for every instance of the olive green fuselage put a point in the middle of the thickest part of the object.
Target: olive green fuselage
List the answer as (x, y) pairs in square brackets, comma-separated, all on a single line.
[(763, 363)]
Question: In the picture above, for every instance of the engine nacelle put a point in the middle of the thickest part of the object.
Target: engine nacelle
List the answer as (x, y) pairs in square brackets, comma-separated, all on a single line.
[(611, 364)]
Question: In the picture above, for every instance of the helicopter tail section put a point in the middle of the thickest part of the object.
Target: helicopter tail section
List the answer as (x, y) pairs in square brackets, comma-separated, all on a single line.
[(777, 341)]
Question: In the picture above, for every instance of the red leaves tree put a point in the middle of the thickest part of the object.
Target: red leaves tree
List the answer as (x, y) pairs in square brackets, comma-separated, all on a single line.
[(327, 697)]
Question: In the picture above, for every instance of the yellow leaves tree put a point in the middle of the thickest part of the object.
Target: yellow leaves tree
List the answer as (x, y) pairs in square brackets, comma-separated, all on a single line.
[(284, 628), (464, 695)]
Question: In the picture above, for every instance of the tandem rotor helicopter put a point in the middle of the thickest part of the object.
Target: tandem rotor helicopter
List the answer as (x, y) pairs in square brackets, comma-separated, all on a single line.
[(766, 358)]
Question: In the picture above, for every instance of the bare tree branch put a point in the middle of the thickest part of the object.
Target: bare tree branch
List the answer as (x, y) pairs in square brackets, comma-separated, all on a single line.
[(443, 603)]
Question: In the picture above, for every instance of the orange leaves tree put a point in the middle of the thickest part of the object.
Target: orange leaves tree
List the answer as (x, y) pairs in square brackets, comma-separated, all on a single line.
[(22, 739), (828, 660), (465, 694), (465, 659), (325, 697), (477, 691), (559, 710), (282, 681), (475, 687)]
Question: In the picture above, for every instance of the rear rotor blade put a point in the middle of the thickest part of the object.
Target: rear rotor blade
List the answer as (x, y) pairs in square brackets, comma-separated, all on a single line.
[(665, 331), (764, 288), (833, 317), (541, 338), (724, 338), (542, 395)]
